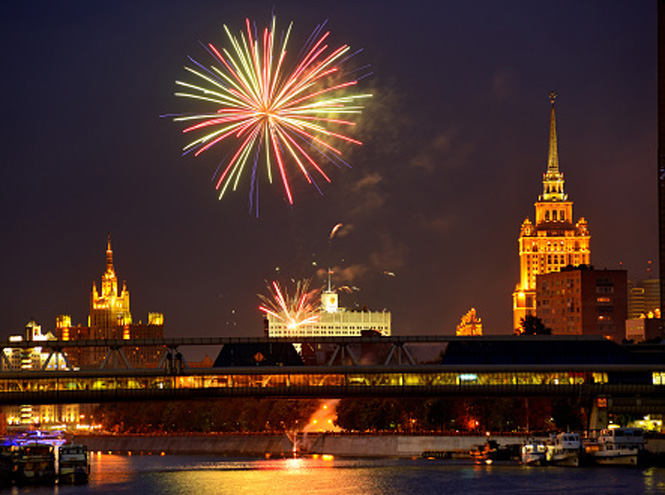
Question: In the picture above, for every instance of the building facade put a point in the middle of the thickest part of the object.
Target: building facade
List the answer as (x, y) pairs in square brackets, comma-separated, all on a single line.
[(643, 329), (583, 301), (644, 299), (109, 308), (36, 358), (110, 318), (470, 325), (332, 321), (554, 239)]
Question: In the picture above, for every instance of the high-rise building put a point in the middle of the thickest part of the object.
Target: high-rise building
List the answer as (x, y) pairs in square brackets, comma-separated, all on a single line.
[(36, 358), (553, 240), (110, 318), (109, 309), (644, 298), (583, 301), (644, 322)]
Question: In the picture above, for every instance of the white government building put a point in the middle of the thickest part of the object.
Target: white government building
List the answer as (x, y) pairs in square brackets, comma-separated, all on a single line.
[(333, 321)]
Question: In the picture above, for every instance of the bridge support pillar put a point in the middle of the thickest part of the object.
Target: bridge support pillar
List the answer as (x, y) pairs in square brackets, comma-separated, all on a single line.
[(598, 416)]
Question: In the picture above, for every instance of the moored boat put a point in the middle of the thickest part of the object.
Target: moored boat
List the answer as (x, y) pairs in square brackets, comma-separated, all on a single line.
[(533, 452), (565, 449), (6, 465), (73, 466), (489, 452), (34, 464), (617, 446)]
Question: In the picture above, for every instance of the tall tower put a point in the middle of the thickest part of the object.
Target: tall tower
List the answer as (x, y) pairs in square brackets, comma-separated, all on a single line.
[(661, 150), (109, 309), (553, 241)]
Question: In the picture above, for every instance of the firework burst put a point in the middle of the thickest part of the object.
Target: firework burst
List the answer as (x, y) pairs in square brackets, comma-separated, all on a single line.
[(302, 308), (292, 118)]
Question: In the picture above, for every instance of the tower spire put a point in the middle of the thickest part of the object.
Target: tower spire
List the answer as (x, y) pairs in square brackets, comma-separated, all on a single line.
[(553, 156), (553, 179), (109, 255)]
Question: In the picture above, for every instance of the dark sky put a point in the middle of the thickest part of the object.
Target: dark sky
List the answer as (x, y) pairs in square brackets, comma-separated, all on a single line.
[(455, 148)]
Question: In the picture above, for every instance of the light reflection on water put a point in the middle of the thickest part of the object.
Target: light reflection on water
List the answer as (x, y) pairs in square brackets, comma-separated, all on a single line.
[(201, 475)]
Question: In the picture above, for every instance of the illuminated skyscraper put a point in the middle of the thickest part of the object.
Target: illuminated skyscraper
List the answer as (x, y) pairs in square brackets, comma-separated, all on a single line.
[(110, 318), (109, 309), (553, 241)]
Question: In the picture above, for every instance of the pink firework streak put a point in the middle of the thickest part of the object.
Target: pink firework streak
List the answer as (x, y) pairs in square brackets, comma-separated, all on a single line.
[(300, 309)]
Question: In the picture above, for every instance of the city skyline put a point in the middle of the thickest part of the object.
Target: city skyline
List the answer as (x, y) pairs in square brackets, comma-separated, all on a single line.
[(455, 148)]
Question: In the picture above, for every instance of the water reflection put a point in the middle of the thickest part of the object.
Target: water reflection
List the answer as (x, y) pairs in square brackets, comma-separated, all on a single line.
[(294, 476), (201, 475)]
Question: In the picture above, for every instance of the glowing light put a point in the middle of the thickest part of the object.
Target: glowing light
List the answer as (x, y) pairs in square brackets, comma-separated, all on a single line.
[(335, 229), (287, 117), (294, 311)]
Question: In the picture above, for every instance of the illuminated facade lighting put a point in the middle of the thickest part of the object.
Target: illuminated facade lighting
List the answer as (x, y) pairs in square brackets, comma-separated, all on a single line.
[(332, 321), (110, 318), (470, 325), (108, 307), (553, 241)]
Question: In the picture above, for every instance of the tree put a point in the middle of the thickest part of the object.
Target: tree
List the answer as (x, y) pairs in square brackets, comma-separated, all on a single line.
[(532, 325)]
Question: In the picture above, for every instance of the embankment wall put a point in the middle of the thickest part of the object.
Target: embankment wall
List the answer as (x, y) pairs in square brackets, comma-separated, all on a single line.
[(281, 445)]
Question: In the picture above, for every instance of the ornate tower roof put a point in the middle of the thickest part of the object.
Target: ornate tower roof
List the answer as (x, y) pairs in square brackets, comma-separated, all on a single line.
[(109, 307), (109, 256), (109, 279), (553, 179)]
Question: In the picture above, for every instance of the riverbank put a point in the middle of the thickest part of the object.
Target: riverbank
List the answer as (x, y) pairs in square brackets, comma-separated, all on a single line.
[(337, 444), (342, 445)]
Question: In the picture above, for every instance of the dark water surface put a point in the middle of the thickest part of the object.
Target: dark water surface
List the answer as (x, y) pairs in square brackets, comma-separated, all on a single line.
[(200, 475)]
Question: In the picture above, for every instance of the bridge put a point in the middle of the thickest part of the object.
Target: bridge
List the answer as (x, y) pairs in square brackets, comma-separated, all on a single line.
[(613, 378)]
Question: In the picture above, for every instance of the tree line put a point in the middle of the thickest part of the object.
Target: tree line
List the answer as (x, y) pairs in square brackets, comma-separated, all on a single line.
[(243, 415)]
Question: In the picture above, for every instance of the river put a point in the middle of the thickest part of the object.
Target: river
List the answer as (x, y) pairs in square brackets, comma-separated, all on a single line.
[(202, 475)]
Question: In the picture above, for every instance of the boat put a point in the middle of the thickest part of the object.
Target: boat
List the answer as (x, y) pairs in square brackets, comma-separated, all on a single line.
[(34, 464), (73, 466), (617, 446), (54, 438), (533, 452), (6, 465), (489, 452), (565, 449)]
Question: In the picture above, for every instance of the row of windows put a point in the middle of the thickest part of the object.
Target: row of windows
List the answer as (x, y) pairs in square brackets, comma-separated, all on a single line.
[(420, 379), (559, 215), (604, 290)]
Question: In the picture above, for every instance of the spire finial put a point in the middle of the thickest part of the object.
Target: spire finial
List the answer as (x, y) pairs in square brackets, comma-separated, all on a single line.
[(553, 156), (109, 254), (553, 179)]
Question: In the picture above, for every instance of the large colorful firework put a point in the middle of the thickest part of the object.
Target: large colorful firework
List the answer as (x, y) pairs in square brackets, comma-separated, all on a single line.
[(269, 112), (301, 308)]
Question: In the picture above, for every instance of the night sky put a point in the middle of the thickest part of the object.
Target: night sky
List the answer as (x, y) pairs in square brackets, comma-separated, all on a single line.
[(455, 145)]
